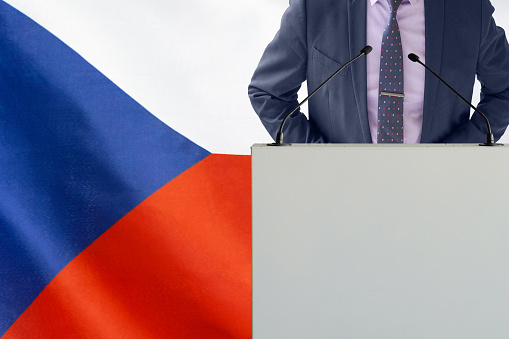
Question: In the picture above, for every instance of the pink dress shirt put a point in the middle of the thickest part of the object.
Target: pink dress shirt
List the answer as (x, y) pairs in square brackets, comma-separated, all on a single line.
[(411, 24)]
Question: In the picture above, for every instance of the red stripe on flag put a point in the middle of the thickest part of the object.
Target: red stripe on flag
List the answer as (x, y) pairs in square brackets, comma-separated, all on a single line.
[(177, 266)]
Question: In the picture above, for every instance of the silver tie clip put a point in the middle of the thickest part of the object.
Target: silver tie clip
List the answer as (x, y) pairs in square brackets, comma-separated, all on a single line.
[(392, 94)]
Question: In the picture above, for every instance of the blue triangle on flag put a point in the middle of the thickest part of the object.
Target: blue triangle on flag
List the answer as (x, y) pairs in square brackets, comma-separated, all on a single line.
[(76, 155)]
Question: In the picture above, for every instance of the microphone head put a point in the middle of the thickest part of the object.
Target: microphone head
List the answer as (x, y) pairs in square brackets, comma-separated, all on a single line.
[(366, 50), (413, 57)]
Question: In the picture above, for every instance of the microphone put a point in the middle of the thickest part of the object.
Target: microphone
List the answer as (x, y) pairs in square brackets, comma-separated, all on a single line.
[(279, 138), (490, 140)]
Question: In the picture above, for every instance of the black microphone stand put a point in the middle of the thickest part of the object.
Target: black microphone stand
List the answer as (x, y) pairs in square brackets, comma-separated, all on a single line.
[(490, 140), (279, 138)]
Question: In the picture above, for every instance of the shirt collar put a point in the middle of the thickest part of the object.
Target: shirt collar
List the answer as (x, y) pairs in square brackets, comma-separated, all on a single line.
[(413, 2)]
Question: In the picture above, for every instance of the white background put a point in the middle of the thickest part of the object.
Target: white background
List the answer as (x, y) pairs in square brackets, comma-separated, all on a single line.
[(187, 62)]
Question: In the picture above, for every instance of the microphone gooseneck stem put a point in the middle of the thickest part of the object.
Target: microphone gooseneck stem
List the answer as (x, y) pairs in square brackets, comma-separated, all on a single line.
[(279, 138), (490, 140)]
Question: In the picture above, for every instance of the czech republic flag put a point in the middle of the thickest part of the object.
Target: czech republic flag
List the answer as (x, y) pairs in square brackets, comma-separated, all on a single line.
[(112, 224)]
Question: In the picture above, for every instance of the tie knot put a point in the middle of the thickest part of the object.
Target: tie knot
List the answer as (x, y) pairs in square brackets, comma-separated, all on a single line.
[(394, 4)]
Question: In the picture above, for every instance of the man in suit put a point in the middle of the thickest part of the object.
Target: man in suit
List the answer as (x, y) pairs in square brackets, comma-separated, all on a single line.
[(457, 38)]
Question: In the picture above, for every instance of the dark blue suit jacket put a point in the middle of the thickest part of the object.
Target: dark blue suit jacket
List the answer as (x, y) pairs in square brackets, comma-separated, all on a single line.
[(317, 36)]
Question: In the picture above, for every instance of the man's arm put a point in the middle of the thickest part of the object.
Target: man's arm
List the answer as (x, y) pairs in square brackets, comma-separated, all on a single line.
[(279, 76), (493, 74)]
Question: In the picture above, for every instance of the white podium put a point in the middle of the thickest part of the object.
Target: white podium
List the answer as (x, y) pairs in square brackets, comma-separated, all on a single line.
[(376, 241)]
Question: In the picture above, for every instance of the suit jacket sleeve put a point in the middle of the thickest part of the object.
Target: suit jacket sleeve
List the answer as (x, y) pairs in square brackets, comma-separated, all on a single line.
[(279, 76), (493, 74)]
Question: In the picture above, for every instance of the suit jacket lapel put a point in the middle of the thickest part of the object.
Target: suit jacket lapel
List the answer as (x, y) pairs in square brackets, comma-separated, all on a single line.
[(434, 13), (357, 41)]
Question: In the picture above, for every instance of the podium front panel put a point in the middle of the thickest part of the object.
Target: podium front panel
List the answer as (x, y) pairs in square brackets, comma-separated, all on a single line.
[(376, 241)]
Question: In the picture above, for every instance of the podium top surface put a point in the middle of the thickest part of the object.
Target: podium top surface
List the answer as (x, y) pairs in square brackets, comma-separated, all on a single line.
[(406, 146)]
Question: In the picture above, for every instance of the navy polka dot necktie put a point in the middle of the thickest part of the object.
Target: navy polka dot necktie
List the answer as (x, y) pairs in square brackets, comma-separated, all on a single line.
[(390, 95)]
